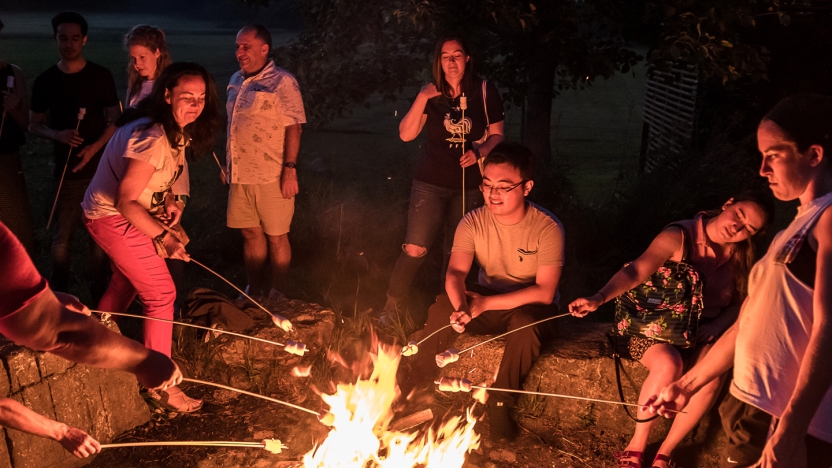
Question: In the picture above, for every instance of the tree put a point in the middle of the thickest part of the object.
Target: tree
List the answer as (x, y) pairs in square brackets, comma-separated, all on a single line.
[(533, 49)]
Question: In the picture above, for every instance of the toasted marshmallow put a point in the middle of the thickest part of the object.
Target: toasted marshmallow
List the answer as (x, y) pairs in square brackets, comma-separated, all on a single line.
[(282, 322), (447, 357), (452, 384), (294, 347), (410, 349)]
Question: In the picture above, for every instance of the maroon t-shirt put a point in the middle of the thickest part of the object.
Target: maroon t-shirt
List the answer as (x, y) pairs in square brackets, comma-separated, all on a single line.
[(21, 283)]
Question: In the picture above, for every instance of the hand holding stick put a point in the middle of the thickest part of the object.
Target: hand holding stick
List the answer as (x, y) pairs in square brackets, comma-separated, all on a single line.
[(81, 113)]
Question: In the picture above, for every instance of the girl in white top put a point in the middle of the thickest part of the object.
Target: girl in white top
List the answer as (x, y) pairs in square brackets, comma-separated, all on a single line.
[(148, 57), (782, 341)]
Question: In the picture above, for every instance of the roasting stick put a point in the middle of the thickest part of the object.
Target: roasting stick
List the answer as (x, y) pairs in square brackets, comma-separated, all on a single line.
[(512, 331), (272, 445), (413, 347), (463, 104), (449, 384), (278, 320), (81, 113), (222, 170), (289, 345), (256, 395)]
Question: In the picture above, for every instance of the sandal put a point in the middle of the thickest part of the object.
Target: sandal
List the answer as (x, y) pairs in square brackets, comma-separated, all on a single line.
[(188, 405), (629, 463), (668, 462)]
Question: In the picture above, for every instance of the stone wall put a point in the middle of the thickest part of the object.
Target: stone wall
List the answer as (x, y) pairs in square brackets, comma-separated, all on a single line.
[(102, 402)]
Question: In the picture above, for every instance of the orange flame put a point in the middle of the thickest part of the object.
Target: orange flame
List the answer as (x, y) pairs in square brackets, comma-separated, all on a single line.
[(361, 413)]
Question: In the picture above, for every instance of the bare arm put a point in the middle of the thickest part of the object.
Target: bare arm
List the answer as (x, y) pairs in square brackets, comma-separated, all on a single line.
[(38, 127), (786, 446), (412, 123), (291, 148), (135, 180), (458, 267), (667, 245), (542, 292), (111, 113), (75, 441), (495, 136)]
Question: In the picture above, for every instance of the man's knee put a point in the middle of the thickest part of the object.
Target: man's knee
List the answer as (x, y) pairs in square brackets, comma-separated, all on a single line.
[(281, 240), (253, 233), (415, 251)]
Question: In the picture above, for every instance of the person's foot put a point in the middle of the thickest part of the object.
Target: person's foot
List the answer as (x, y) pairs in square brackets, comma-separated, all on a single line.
[(174, 399), (275, 295), (629, 459), (503, 427)]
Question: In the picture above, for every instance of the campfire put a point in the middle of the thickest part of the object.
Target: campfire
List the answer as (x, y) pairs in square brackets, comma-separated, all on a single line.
[(360, 414)]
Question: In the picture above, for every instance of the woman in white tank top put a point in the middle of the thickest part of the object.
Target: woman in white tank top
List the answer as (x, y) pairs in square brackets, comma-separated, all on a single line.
[(782, 342)]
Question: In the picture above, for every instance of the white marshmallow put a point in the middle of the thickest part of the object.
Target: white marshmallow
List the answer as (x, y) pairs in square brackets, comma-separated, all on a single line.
[(463, 102), (273, 445), (451, 384), (282, 322), (327, 419), (294, 347), (447, 357), (411, 349)]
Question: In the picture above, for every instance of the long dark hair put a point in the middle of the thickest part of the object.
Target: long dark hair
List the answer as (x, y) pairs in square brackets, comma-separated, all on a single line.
[(743, 257), (201, 132), (153, 39), (439, 80)]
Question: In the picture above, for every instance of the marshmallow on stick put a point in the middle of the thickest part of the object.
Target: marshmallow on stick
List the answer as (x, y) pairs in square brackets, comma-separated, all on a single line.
[(463, 102), (273, 445), (453, 384), (411, 349), (282, 322), (294, 347), (447, 357), (81, 112), (327, 419)]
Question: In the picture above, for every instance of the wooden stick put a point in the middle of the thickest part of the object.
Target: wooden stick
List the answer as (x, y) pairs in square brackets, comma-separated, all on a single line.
[(256, 395), (197, 443), (512, 331), (226, 332), (61, 183), (463, 104), (218, 163)]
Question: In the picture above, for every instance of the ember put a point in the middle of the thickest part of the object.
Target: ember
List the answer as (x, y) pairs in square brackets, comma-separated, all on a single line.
[(361, 413)]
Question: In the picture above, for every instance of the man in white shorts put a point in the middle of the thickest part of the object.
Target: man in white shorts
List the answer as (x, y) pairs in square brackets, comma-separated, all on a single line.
[(265, 114)]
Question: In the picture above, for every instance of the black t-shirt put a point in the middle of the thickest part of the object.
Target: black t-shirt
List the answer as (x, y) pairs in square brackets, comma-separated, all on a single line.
[(439, 162), (12, 137), (62, 95)]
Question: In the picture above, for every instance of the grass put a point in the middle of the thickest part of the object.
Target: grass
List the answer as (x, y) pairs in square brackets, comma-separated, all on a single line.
[(355, 172)]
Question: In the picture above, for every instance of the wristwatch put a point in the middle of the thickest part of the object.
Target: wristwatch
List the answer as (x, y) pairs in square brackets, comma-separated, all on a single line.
[(290, 165)]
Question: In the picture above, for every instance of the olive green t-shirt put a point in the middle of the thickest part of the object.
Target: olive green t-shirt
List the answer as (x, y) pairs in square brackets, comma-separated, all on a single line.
[(509, 255)]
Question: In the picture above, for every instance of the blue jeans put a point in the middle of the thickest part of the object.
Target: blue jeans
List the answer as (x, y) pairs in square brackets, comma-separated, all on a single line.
[(432, 209), (66, 221)]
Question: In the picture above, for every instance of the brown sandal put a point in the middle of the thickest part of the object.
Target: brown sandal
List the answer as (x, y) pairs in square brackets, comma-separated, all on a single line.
[(188, 405), (669, 463), (629, 463)]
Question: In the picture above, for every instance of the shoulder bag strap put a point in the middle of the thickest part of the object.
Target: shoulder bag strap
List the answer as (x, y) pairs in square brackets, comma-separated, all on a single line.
[(614, 343), (485, 104)]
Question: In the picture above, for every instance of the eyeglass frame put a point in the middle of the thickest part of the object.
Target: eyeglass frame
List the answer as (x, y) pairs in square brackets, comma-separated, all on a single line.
[(505, 190)]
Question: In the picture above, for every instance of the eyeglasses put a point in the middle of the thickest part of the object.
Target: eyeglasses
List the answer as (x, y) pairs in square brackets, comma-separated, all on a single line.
[(500, 191)]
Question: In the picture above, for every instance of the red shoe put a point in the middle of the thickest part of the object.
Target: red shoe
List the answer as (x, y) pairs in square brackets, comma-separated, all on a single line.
[(629, 463), (668, 462)]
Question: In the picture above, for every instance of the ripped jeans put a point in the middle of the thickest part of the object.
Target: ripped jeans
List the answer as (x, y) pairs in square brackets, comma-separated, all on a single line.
[(432, 209)]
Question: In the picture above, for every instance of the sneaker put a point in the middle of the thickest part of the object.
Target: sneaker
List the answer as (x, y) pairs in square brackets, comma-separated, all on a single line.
[(503, 427)]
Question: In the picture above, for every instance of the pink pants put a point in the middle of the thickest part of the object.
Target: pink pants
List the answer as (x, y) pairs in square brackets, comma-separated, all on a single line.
[(136, 270)]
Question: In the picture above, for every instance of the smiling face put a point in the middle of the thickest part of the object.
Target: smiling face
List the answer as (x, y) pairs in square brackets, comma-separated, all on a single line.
[(252, 53), (507, 206), (187, 99), (737, 222), (453, 60), (144, 60), (70, 41), (787, 170)]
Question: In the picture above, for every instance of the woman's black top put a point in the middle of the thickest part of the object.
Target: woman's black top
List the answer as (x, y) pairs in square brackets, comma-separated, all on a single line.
[(439, 162)]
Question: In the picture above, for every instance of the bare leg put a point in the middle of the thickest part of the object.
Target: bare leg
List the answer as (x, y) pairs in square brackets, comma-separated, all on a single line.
[(255, 254), (699, 404), (280, 255), (665, 365)]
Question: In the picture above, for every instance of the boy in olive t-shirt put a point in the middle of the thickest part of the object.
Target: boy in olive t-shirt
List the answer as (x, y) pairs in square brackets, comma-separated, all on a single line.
[(519, 248)]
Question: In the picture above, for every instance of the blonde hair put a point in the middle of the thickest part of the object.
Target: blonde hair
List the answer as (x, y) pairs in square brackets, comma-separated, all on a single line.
[(153, 39)]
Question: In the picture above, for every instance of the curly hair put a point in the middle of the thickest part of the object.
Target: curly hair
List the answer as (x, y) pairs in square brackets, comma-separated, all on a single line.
[(153, 39), (200, 132)]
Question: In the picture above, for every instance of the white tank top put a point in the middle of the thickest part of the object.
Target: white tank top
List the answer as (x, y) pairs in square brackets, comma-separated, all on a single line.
[(776, 326)]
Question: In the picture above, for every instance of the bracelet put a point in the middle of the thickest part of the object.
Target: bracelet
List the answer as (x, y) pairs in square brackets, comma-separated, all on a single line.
[(181, 198), (160, 239), (476, 152), (603, 297)]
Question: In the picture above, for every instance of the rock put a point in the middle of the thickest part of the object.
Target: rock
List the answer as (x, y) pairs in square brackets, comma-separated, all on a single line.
[(265, 368), (103, 403)]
